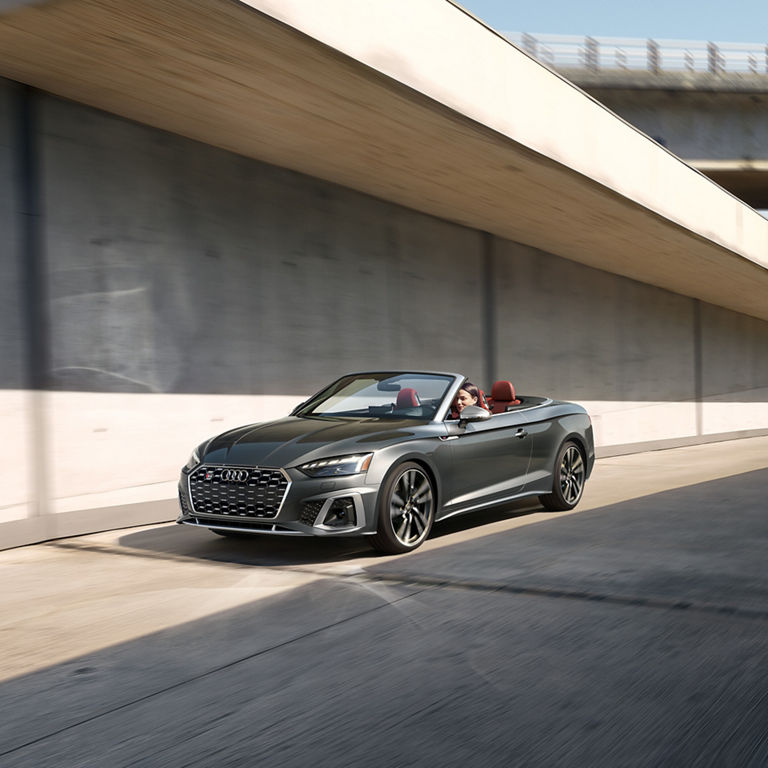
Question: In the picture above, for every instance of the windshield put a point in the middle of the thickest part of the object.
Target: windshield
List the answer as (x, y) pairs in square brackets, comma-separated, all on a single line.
[(381, 395)]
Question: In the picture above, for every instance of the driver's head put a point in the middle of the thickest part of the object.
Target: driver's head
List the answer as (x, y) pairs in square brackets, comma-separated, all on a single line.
[(469, 394)]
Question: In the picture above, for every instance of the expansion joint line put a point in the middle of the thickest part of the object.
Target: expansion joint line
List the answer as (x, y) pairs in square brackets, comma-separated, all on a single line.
[(554, 592)]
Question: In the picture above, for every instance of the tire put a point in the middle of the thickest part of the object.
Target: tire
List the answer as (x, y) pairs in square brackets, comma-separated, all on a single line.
[(406, 510), (568, 479)]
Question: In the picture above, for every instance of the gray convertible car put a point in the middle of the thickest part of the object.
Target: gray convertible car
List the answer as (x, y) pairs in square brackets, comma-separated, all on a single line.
[(385, 455)]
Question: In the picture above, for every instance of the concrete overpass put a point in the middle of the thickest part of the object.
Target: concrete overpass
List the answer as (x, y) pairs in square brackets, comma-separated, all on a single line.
[(187, 174), (705, 101), (715, 122), (400, 114)]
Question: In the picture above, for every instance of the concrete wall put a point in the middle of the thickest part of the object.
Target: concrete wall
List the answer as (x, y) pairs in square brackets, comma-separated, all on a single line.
[(734, 362), (176, 267), (648, 364), (190, 290), (624, 349)]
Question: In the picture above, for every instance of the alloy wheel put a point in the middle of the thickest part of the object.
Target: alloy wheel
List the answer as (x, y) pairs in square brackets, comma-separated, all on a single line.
[(410, 507), (572, 475)]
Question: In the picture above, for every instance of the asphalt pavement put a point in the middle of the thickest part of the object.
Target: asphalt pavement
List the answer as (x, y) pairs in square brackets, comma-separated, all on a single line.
[(630, 632)]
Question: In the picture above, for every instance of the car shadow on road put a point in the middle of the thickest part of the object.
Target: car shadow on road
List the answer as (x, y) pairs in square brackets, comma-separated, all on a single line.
[(269, 550), (636, 628), (699, 545)]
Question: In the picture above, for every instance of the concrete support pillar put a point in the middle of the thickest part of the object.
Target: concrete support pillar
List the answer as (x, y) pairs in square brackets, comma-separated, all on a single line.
[(31, 255)]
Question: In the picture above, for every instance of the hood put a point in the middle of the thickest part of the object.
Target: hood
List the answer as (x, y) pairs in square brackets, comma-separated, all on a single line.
[(296, 439)]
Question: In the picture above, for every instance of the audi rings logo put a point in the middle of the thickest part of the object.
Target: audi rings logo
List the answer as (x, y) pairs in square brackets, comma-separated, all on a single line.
[(234, 475)]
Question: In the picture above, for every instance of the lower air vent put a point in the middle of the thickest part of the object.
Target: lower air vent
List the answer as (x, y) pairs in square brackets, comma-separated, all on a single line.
[(185, 510), (309, 511)]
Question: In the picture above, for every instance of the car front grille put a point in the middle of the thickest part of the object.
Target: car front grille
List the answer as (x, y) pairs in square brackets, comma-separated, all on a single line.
[(253, 492)]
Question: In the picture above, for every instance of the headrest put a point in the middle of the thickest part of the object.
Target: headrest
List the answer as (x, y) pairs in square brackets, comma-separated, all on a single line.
[(503, 391), (407, 398)]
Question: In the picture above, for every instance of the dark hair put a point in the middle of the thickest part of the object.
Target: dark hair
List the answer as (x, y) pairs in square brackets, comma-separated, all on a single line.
[(470, 388)]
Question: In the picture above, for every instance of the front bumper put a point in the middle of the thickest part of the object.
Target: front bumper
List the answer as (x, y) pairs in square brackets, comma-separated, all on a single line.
[(339, 506)]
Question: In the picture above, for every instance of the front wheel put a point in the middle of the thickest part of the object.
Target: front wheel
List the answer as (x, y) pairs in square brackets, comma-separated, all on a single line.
[(568, 479), (406, 507)]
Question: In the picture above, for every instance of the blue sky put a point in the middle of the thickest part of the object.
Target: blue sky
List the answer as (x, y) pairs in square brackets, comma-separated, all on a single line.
[(738, 21)]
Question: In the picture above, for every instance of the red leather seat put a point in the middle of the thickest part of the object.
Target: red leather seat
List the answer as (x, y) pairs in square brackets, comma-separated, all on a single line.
[(502, 395), (407, 398)]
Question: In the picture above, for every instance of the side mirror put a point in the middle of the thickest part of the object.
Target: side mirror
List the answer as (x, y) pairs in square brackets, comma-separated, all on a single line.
[(473, 413)]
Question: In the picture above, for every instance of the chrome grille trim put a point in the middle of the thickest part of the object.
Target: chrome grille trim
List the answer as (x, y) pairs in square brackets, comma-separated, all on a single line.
[(261, 496)]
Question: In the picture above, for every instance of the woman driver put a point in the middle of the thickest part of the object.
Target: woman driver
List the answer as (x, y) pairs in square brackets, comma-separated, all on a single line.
[(469, 394)]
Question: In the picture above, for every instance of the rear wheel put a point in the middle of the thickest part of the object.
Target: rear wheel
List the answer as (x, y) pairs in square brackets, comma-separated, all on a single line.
[(406, 509), (568, 479)]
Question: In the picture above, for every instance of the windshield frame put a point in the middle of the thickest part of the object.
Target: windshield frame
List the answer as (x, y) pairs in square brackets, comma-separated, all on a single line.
[(453, 381)]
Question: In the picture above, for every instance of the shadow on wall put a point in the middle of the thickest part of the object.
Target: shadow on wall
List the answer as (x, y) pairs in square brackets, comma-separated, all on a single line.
[(161, 323), (115, 330), (174, 267)]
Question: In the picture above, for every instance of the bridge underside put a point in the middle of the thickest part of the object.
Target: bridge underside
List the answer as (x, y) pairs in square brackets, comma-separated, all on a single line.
[(236, 78)]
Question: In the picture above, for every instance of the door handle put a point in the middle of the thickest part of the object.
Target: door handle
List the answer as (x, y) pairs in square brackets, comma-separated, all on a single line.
[(521, 433)]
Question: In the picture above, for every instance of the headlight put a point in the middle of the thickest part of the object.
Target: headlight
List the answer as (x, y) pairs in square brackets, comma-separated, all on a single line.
[(339, 465), (192, 461)]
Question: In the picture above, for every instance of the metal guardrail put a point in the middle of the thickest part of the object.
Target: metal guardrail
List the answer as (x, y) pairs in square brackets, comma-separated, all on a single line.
[(627, 53)]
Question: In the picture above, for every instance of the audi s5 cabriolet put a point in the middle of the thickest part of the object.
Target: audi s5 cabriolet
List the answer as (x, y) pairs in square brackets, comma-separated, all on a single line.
[(384, 455)]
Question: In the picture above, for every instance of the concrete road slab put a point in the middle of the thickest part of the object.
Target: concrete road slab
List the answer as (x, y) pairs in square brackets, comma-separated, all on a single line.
[(440, 677), (62, 697), (629, 632)]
